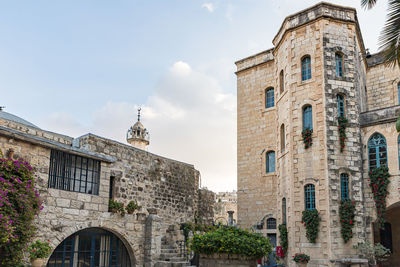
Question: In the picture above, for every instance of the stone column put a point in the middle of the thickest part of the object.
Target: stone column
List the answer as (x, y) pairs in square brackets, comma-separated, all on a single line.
[(230, 218), (152, 245)]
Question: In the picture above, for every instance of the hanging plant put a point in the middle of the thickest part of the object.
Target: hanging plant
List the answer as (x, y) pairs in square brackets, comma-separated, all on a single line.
[(283, 236), (311, 221), (307, 137), (379, 181), (342, 121), (347, 211)]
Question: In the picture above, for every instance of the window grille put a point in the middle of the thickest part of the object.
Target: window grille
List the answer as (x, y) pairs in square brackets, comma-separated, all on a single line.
[(307, 118), (269, 98), (306, 68), (74, 173), (344, 185), (340, 104), (309, 193), (270, 161), (377, 153), (271, 223), (339, 64)]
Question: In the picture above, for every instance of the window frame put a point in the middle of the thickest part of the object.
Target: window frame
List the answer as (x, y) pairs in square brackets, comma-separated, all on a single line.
[(375, 147), (344, 187), (306, 68), (341, 105), (307, 117), (268, 165), (284, 210), (309, 197), (269, 94), (271, 224), (339, 67), (66, 167)]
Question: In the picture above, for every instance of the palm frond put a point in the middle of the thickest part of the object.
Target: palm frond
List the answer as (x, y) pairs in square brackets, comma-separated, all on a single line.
[(368, 3), (389, 39)]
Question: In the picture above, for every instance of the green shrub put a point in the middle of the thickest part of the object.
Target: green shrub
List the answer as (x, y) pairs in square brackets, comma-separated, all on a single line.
[(231, 240), (379, 181), (132, 207), (39, 250), (117, 207), (301, 258), (283, 236), (347, 211)]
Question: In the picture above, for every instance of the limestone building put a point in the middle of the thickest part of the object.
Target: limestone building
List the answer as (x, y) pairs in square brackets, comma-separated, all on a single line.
[(77, 177), (225, 208), (317, 71)]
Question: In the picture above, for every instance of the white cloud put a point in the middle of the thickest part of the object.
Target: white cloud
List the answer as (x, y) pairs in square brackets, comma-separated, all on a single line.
[(189, 116), (209, 6)]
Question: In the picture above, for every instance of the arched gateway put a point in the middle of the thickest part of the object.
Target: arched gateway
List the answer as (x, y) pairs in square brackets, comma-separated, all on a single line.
[(92, 247)]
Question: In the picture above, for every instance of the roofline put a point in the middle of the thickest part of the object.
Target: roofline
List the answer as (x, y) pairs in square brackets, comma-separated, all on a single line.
[(36, 140), (259, 53)]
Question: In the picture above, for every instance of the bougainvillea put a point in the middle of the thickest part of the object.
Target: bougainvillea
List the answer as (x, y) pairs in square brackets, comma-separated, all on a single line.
[(342, 121), (283, 236), (307, 137), (311, 221), (378, 182), (301, 258), (19, 203), (347, 211)]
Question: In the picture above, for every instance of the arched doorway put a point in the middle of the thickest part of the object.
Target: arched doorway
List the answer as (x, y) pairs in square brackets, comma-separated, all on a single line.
[(390, 235), (92, 247)]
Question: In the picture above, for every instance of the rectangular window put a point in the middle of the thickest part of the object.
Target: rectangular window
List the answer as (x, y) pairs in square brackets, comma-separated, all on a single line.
[(339, 65), (340, 103), (269, 98), (74, 173)]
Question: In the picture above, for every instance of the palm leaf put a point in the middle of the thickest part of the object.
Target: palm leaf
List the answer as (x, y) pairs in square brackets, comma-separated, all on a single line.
[(389, 39), (368, 3)]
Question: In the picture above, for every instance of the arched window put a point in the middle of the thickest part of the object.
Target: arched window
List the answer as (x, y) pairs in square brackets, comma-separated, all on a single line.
[(339, 64), (307, 117), (270, 161), (283, 210), (340, 105), (283, 138), (377, 153), (281, 82), (309, 195), (269, 97), (306, 68), (271, 223), (344, 186)]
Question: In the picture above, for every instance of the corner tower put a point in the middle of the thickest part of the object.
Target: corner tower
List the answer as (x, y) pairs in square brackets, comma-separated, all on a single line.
[(137, 135)]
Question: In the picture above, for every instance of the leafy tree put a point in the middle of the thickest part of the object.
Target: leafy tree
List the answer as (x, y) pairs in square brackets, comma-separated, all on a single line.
[(389, 39)]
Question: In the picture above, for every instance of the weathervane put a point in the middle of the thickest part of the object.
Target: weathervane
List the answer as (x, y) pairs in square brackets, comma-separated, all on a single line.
[(138, 114)]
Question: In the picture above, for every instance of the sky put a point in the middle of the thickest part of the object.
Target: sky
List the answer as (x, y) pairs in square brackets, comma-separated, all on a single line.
[(74, 67)]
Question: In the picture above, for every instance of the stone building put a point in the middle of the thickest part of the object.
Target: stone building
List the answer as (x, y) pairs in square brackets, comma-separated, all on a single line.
[(77, 177), (317, 71), (225, 204)]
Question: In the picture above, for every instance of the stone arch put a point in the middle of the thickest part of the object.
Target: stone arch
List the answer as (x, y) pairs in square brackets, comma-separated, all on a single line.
[(130, 243)]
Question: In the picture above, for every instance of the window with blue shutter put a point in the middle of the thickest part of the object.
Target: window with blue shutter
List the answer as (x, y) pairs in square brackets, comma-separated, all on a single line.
[(307, 118), (344, 186), (340, 105), (269, 98), (339, 64), (306, 68), (309, 194), (270, 161), (377, 152)]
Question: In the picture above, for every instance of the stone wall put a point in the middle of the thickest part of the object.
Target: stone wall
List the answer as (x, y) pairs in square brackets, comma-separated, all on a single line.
[(205, 210)]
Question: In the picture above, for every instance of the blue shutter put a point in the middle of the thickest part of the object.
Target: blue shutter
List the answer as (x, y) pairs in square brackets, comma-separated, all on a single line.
[(339, 65), (306, 68), (340, 104), (307, 118), (309, 194), (344, 185), (377, 152)]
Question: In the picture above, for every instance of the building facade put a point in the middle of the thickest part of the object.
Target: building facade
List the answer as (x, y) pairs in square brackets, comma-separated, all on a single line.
[(77, 177), (317, 72), (225, 208)]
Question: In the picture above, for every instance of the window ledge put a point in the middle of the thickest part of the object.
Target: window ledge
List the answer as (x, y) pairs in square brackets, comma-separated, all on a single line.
[(269, 109)]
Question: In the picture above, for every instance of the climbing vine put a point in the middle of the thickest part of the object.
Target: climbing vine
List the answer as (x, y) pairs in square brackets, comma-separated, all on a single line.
[(342, 121), (379, 181), (347, 211), (283, 236), (311, 221), (307, 137)]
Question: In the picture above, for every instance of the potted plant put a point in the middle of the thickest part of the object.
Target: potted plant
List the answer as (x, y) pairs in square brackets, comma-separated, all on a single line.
[(132, 207), (373, 253), (38, 252), (116, 207), (301, 259)]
